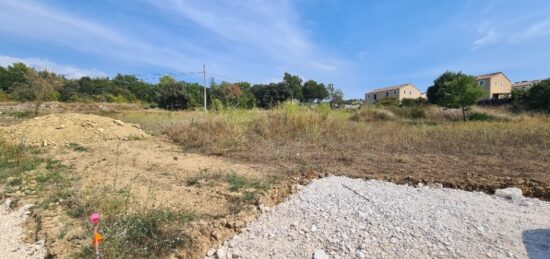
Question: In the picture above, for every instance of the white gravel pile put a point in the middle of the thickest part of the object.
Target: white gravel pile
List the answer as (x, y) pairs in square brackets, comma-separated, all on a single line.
[(11, 233), (339, 217)]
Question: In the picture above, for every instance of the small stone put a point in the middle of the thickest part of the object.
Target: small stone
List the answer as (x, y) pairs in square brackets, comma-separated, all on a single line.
[(263, 208), (511, 193), (420, 185), (211, 252), (360, 254), (320, 254), (7, 204), (313, 228), (525, 203), (44, 143), (60, 126), (221, 253)]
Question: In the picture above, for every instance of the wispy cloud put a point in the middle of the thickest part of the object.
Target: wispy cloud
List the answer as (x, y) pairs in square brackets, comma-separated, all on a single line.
[(269, 30), (271, 26), (538, 29), (489, 36), (68, 71), (35, 21)]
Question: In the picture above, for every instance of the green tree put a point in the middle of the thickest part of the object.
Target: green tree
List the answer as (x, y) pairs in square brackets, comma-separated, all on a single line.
[(268, 96), (40, 86), (131, 88), (538, 97), (294, 83), (171, 94), (12, 76), (314, 91), (433, 94), (456, 90)]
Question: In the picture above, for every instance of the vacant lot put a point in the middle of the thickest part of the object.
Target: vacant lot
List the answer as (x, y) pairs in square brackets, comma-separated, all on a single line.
[(502, 150), (199, 177)]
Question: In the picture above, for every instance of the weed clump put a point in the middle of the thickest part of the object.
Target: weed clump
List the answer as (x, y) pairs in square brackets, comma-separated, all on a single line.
[(370, 114)]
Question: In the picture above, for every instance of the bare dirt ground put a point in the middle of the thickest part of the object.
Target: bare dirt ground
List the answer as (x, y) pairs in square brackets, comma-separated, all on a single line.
[(156, 173), (467, 172), (153, 170)]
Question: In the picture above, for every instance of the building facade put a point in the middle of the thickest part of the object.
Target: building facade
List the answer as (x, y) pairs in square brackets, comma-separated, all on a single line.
[(524, 85), (496, 86), (400, 92)]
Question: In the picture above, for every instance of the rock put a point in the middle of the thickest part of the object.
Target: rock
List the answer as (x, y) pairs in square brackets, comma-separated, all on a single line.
[(263, 208), (119, 123), (211, 252), (44, 143), (313, 228), (60, 126), (7, 204), (320, 254), (360, 254), (525, 203), (216, 234), (221, 253), (511, 193), (420, 185)]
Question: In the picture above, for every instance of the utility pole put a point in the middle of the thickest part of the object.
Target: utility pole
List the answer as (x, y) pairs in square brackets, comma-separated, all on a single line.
[(204, 83)]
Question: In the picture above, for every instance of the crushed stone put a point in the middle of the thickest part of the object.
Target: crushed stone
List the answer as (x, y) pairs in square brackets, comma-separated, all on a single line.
[(11, 243), (340, 217)]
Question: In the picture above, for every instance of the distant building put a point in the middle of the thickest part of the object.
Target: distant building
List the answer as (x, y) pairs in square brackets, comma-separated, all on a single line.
[(496, 86), (524, 85), (400, 92)]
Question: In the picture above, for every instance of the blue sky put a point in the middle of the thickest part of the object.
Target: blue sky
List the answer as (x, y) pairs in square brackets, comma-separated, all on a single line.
[(358, 45)]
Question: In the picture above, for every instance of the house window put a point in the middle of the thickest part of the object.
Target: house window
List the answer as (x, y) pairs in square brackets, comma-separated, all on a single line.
[(368, 95), (374, 96), (481, 83), (387, 93), (394, 91)]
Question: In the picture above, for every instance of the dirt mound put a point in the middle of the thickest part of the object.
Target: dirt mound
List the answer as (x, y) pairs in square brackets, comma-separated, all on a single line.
[(63, 129)]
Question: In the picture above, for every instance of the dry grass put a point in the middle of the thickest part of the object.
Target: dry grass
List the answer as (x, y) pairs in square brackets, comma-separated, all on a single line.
[(377, 142)]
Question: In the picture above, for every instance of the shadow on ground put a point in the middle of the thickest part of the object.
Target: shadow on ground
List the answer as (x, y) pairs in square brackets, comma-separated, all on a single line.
[(537, 243)]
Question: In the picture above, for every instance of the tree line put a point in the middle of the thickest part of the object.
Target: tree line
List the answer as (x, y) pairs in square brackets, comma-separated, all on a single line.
[(459, 90), (19, 82)]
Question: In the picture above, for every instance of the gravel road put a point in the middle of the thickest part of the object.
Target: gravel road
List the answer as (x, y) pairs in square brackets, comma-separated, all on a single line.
[(11, 233), (339, 217)]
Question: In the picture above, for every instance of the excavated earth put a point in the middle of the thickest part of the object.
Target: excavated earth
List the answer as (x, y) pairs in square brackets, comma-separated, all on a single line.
[(67, 128)]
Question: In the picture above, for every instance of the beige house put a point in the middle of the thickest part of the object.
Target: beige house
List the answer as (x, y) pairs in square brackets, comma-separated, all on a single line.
[(405, 91), (524, 85), (496, 85)]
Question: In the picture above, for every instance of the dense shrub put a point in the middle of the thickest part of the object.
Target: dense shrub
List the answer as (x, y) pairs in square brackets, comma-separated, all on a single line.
[(373, 114), (388, 101), (414, 102), (479, 116)]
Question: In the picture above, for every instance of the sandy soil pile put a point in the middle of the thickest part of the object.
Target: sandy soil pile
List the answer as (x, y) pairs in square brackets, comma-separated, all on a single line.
[(63, 129)]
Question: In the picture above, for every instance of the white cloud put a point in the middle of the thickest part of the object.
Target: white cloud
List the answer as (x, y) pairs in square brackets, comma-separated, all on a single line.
[(32, 20), (539, 29), (41, 64), (489, 37), (323, 66), (271, 26)]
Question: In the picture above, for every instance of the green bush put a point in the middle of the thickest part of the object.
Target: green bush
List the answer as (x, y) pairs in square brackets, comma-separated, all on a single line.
[(538, 97), (388, 101), (414, 102), (373, 114), (479, 116)]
